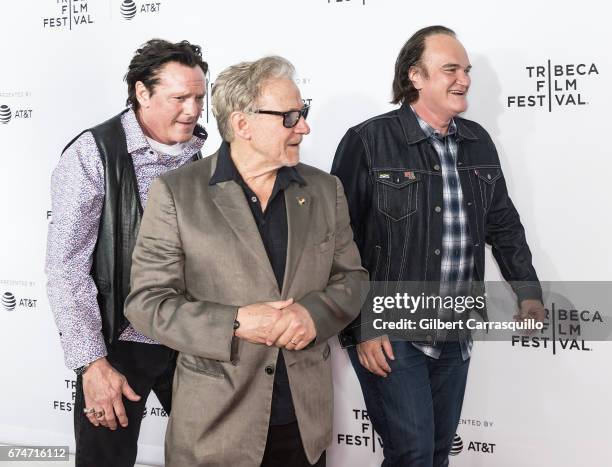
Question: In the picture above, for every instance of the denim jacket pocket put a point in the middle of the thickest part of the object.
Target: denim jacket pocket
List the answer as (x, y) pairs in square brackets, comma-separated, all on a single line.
[(486, 182), (396, 192)]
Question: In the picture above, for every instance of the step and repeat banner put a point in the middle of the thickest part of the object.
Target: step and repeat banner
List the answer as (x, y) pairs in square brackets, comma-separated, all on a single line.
[(540, 86)]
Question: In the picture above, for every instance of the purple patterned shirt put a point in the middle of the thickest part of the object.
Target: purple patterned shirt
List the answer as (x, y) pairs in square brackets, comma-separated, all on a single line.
[(77, 195)]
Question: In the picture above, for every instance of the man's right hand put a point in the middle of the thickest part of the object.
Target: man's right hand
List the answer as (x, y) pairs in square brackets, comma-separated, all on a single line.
[(103, 387), (258, 319), (372, 355)]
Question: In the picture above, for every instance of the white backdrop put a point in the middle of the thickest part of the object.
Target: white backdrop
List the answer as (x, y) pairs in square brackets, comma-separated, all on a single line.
[(62, 63)]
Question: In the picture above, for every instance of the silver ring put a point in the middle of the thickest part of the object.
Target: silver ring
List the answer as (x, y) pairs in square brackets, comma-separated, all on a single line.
[(100, 414), (87, 411)]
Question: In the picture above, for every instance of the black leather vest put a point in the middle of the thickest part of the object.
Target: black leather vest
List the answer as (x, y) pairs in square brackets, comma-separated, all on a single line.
[(119, 224)]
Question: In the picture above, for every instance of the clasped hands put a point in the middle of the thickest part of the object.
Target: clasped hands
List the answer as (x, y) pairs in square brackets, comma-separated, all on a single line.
[(284, 324)]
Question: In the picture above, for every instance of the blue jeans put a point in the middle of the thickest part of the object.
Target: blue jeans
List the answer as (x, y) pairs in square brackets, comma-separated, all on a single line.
[(416, 408)]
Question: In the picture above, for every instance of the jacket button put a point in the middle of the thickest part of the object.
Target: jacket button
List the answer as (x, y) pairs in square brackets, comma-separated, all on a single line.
[(436, 251), (459, 163), (270, 369), (436, 167), (437, 209), (469, 203)]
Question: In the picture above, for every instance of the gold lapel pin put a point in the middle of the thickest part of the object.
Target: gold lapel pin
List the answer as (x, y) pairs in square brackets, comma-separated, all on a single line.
[(301, 201)]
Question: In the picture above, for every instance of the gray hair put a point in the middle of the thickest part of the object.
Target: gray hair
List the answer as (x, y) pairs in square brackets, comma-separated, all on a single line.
[(238, 87)]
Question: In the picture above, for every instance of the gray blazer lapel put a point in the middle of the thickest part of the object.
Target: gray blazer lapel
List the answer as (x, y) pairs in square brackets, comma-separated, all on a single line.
[(229, 198), (298, 203)]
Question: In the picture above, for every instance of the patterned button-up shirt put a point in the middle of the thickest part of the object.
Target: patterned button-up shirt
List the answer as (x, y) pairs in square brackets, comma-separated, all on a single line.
[(77, 195), (457, 255)]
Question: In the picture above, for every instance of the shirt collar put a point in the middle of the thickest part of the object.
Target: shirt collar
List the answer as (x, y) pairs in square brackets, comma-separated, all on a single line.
[(431, 132), (414, 132), (136, 139), (226, 170)]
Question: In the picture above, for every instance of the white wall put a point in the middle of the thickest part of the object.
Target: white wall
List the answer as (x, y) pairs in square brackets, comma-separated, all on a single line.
[(541, 409)]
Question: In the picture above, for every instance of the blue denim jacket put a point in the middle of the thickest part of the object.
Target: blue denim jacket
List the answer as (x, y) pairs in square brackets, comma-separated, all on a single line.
[(392, 179)]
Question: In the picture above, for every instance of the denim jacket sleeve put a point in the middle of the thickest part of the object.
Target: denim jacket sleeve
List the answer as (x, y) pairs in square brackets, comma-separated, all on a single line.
[(352, 166), (506, 235)]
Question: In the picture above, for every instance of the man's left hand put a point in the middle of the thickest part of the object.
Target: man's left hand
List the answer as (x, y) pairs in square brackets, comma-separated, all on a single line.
[(531, 309), (294, 330)]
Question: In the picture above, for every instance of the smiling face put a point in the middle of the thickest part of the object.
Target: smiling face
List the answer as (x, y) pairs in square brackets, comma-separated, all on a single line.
[(442, 79), (269, 138), (169, 112)]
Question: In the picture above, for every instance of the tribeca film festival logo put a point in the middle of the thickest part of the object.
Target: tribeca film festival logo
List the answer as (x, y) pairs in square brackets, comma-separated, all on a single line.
[(129, 8), (555, 85), (10, 302), (565, 327), (364, 436), (69, 14)]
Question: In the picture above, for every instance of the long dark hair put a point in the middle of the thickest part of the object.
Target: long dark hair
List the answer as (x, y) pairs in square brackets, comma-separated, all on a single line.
[(410, 55)]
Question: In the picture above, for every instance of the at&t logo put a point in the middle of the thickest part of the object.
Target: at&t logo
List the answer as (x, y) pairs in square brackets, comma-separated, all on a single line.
[(457, 445), (129, 8), (475, 446), (10, 302), (6, 114)]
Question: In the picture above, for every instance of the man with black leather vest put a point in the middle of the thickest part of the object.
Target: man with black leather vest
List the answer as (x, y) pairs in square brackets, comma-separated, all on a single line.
[(426, 192), (99, 189)]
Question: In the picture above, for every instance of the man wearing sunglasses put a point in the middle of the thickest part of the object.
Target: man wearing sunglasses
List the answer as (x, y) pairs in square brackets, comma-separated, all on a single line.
[(245, 263)]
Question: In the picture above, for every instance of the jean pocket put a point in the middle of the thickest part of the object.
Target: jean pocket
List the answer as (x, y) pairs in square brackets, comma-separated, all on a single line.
[(397, 192)]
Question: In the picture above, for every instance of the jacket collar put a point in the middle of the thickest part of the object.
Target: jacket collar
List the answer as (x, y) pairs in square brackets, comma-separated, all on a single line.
[(414, 132), (226, 170)]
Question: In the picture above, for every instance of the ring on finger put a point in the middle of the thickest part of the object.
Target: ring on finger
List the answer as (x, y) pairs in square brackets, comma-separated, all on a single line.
[(100, 414), (88, 411)]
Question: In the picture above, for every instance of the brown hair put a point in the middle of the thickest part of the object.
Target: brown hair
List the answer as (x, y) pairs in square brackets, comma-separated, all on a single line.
[(409, 56)]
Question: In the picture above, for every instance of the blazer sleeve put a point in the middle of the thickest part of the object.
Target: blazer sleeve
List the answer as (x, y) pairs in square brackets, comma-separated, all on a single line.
[(157, 305), (340, 302)]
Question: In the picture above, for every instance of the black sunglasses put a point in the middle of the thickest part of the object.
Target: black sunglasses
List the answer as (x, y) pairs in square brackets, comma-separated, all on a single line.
[(290, 118)]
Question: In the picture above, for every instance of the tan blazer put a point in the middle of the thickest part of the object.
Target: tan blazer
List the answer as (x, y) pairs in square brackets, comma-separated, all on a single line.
[(199, 257)]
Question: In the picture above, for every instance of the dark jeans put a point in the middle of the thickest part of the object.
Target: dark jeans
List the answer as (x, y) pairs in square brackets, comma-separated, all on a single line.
[(147, 367), (284, 448), (416, 408)]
